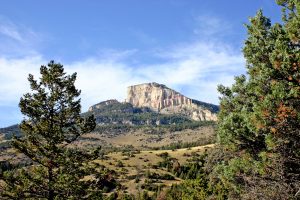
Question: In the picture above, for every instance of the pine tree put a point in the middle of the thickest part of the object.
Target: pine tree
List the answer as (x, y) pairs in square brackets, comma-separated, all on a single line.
[(259, 121), (52, 122)]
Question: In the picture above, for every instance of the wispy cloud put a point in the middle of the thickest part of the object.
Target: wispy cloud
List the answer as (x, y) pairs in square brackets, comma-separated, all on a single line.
[(210, 26), (10, 30), (17, 40)]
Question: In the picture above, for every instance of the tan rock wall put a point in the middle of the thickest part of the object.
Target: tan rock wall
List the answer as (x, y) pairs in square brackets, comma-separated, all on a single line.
[(163, 99)]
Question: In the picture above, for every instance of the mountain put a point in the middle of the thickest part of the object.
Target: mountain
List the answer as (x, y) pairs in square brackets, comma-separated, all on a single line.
[(152, 104), (149, 107)]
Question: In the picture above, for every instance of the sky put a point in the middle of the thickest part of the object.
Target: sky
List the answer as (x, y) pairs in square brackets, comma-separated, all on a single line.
[(189, 45)]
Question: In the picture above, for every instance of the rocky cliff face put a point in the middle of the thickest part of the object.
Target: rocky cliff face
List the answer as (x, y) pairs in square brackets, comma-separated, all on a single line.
[(167, 101)]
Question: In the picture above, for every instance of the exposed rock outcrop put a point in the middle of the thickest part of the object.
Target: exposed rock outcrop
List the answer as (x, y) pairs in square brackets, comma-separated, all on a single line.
[(165, 100)]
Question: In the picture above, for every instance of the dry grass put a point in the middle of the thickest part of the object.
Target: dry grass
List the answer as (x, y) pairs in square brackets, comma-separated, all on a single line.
[(138, 138), (142, 162)]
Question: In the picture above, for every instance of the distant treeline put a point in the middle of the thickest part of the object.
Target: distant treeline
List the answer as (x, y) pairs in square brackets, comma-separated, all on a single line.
[(152, 129)]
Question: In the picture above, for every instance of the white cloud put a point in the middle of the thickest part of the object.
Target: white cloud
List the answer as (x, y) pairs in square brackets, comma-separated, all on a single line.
[(101, 80), (13, 77)]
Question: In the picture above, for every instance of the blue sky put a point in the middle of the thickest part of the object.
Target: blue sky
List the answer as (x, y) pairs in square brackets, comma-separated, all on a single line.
[(189, 45)]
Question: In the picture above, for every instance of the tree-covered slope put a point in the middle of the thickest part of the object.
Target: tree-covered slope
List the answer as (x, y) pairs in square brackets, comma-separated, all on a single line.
[(114, 112)]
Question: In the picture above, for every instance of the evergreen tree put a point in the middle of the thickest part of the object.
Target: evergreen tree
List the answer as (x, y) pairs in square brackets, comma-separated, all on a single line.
[(259, 121), (52, 122)]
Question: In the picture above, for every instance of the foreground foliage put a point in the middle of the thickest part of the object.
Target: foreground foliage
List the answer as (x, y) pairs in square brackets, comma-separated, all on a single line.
[(52, 122), (260, 113)]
